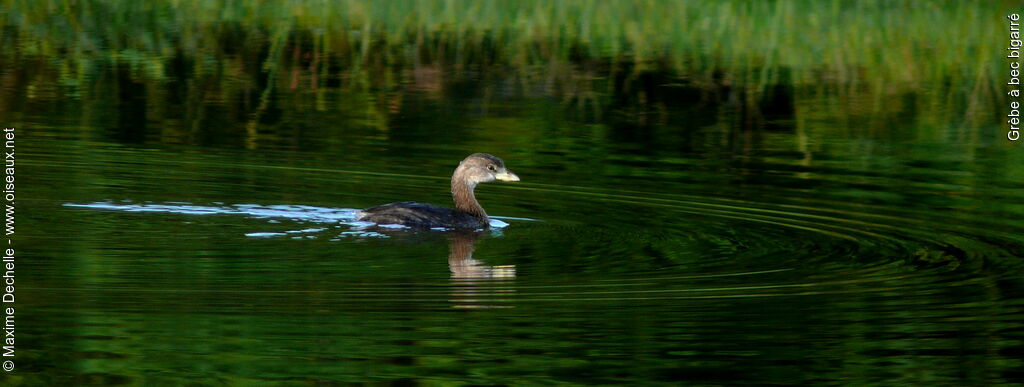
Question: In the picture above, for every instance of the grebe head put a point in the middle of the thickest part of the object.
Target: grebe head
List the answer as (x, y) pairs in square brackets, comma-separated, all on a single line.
[(483, 168)]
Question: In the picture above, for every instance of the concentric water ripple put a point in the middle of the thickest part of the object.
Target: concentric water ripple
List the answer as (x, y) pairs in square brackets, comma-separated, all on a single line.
[(724, 248), (654, 275)]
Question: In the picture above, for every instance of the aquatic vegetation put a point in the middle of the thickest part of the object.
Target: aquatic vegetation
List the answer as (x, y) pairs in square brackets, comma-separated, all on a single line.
[(943, 48)]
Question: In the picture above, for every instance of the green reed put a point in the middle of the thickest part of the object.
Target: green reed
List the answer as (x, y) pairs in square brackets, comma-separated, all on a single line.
[(886, 47)]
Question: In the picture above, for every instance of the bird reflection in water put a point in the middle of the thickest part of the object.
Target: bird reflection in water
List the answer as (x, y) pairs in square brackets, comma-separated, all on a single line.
[(474, 283)]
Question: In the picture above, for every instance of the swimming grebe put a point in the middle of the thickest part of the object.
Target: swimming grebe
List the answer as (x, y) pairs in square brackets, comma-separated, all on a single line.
[(475, 169)]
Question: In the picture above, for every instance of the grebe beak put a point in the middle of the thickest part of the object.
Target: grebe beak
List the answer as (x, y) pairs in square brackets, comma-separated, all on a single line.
[(506, 175)]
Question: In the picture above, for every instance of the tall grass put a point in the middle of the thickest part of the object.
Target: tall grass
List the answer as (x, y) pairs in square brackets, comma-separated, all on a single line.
[(883, 46)]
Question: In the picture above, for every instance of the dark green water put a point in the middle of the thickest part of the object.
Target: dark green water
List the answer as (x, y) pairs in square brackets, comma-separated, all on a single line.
[(169, 236)]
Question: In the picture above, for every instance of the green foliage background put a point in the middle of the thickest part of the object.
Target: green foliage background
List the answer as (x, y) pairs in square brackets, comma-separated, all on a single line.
[(951, 48)]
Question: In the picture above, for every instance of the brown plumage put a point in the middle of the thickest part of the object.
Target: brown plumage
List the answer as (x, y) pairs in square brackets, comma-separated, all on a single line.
[(468, 214)]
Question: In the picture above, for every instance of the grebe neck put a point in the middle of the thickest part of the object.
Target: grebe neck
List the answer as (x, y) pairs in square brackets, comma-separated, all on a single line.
[(465, 200)]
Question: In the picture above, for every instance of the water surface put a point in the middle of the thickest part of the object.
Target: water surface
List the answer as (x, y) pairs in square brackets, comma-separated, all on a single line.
[(666, 230)]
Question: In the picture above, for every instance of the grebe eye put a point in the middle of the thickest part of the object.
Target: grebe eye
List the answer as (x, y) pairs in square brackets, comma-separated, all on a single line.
[(491, 167)]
